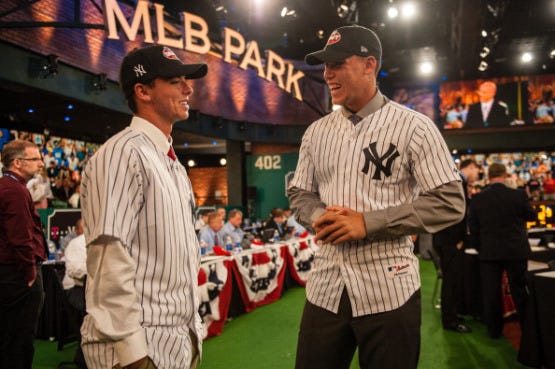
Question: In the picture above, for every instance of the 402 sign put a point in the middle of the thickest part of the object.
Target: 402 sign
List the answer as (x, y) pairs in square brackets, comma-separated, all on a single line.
[(268, 162)]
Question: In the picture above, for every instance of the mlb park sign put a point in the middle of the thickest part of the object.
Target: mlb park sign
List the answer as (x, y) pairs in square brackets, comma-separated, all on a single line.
[(194, 38)]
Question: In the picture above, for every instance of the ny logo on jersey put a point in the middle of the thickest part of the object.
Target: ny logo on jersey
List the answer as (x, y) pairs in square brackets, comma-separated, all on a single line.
[(139, 70), (371, 155)]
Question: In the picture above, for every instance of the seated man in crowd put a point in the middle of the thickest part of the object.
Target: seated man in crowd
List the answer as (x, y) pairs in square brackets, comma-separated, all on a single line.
[(232, 227), (74, 283), (202, 219), (76, 231), (277, 221), (292, 223), (211, 234)]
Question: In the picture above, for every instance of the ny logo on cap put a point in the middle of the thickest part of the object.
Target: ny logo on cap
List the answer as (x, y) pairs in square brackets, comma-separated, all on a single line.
[(139, 70), (363, 49), (335, 37)]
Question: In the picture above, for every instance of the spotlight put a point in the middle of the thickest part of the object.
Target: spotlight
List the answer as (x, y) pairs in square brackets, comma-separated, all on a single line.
[(483, 66), (287, 12), (191, 163), (484, 33), (223, 161), (526, 57), (485, 52), (214, 142), (408, 10), (219, 7), (392, 12), (50, 66), (342, 10), (552, 54), (30, 110), (321, 35), (426, 68), (99, 82)]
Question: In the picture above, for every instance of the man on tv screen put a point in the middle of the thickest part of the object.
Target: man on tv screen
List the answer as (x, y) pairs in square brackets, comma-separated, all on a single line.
[(489, 112)]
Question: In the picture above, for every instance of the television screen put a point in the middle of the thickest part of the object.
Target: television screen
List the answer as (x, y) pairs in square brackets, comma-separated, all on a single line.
[(497, 102)]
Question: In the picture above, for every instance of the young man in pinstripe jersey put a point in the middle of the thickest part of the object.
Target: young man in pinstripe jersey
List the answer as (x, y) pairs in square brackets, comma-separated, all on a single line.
[(369, 175), (142, 251)]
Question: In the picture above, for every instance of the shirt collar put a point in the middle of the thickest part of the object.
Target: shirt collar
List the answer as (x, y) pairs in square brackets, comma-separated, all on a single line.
[(17, 177), (487, 104), (371, 107), (152, 132)]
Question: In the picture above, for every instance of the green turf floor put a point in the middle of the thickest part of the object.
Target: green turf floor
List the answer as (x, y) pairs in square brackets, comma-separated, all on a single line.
[(266, 339)]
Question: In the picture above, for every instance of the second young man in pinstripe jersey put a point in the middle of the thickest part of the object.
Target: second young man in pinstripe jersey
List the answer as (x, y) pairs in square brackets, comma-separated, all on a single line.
[(369, 175), (142, 251)]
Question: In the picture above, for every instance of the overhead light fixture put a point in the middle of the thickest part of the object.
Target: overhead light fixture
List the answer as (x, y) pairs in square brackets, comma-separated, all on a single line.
[(408, 10), (526, 57), (426, 68), (288, 12), (483, 66), (552, 54), (191, 163), (50, 66), (100, 82), (392, 12), (219, 7), (223, 161), (342, 10), (484, 33), (485, 52)]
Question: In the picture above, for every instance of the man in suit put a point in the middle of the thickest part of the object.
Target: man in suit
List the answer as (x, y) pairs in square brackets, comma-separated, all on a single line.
[(448, 244), (498, 216), (489, 112)]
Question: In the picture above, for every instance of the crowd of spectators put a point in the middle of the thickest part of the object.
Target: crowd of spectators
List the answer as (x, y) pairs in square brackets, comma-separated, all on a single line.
[(532, 172), (58, 185)]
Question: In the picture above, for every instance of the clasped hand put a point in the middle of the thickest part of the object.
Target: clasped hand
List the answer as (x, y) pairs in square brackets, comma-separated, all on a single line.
[(339, 224)]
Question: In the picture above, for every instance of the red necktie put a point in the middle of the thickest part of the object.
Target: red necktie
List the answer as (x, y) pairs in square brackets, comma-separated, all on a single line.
[(171, 154)]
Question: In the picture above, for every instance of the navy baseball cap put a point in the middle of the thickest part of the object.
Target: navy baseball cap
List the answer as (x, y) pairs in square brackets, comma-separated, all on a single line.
[(156, 61), (345, 42)]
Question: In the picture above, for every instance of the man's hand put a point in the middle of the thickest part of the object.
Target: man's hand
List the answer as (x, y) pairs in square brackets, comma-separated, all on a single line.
[(339, 224)]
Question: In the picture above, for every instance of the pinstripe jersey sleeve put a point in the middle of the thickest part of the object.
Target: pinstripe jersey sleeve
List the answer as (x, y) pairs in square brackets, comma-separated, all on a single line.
[(112, 201), (303, 189), (432, 163)]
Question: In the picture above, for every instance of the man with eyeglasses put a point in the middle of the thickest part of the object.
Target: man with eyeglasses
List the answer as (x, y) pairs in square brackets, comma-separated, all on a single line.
[(22, 250)]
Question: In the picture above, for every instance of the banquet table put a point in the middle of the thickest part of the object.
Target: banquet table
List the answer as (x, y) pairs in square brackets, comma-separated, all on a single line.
[(231, 285), (228, 285), (538, 332)]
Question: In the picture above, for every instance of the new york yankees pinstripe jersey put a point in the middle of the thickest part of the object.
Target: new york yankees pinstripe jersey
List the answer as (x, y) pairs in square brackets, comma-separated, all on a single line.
[(387, 160), (143, 254)]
